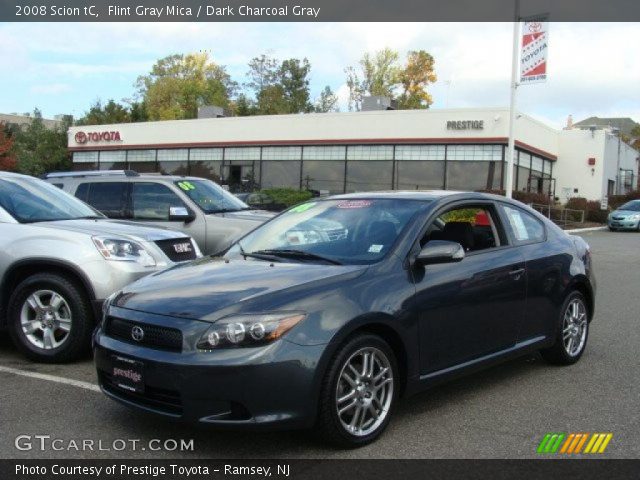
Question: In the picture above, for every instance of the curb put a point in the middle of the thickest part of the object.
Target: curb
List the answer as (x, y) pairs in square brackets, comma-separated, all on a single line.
[(589, 229)]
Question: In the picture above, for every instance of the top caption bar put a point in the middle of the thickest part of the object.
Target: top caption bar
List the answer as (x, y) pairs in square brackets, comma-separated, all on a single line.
[(316, 10)]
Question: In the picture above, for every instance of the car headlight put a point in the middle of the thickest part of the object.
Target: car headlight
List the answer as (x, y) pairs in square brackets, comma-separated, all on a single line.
[(122, 250), (248, 330), (635, 217)]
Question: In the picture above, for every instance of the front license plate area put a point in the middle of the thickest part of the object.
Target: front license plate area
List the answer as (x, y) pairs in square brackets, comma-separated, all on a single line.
[(127, 374)]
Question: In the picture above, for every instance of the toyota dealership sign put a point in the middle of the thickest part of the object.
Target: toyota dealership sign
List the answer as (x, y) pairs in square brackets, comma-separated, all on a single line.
[(96, 137)]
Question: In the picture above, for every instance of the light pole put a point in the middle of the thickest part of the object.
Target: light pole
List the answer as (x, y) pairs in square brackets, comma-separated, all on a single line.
[(512, 107)]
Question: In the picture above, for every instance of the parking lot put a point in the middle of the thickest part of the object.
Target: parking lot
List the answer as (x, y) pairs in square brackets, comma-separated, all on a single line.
[(500, 413)]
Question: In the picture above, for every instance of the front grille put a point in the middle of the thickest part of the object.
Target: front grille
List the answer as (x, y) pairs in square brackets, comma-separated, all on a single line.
[(161, 338), (160, 399), (178, 249), (618, 218)]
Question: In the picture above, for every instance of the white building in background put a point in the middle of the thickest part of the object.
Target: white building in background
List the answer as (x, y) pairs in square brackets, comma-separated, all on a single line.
[(461, 149)]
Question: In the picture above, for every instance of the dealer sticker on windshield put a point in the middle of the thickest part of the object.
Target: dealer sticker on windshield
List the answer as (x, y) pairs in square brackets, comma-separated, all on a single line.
[(375, 248), (302, 208), (354, 204)]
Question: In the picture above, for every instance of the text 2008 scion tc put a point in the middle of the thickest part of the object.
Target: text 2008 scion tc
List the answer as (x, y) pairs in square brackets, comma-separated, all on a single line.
[(326, 314)]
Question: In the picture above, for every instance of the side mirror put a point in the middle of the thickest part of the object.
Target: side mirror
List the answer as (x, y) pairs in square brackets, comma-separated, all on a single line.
[(440, 251), (181, 214)]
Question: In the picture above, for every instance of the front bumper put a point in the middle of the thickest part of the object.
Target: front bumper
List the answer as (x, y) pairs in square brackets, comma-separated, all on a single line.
[(271, 386), (623, 224)]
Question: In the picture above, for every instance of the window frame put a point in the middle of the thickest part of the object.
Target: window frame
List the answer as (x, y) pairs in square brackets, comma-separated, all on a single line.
[(161, 184), (511, 234), (489, 205)]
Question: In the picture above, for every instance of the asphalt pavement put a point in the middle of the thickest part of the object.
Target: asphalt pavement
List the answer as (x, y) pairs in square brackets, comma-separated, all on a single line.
[(502, 412)]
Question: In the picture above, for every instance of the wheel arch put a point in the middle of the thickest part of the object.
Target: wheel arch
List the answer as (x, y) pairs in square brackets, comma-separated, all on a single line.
[(22, 269), (581, 284)]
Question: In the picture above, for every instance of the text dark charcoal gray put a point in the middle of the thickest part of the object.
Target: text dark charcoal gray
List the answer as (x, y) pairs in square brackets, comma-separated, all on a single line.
[(314, 10)]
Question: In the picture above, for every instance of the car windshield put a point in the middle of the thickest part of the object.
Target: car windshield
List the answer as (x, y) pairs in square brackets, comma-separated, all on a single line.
[(633, 206), (210, 197), (348, 231), (31, 200)]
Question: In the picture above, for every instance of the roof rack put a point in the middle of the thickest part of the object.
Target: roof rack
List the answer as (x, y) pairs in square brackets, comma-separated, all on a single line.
[(92, 173)]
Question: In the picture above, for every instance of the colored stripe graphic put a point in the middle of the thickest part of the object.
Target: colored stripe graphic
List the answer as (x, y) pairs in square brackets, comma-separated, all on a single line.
[(573, 443)]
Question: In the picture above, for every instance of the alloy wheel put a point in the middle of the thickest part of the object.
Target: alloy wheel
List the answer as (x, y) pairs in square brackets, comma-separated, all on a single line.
[(574, 327), (46, 319), (364, 391)]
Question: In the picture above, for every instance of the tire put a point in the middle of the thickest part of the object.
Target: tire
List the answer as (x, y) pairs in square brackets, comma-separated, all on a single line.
[(370, 395), (611, 229), (574, 322), (50, 318)]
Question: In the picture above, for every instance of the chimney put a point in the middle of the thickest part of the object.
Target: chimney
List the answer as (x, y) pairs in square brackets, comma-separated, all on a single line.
[(569, 122)]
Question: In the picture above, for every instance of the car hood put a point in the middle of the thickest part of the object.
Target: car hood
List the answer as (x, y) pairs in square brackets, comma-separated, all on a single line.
[(251, 215), (199, 290), (624, 213), (131, 230)]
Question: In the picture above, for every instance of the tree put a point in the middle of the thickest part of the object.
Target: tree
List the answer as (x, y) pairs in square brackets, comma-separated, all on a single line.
[(178, 84), (327, 102), (39, 150), (7, 158), (111, 112), (416, 76), (381, 74), (277, 87)]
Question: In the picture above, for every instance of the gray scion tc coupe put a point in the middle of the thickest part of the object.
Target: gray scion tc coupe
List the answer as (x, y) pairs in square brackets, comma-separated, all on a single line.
[(328, 314)]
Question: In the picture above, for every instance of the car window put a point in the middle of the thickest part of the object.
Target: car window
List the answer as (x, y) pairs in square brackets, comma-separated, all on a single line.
[(359, 231), (210, 197), (108, 197), (472, 227), (151, 201), (82, 192), (525, 228)]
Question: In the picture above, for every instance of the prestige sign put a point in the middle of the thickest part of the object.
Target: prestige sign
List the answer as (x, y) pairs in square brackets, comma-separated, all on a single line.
[(106, 136), (465, 124)]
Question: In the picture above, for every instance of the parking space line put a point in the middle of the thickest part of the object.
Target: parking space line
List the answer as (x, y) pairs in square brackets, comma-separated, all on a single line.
[(51, 378)]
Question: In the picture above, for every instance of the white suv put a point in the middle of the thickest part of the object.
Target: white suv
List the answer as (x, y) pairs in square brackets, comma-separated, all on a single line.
[(60, 259)]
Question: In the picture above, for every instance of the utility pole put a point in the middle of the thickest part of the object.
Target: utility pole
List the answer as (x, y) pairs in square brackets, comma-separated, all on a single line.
[(512, 107)]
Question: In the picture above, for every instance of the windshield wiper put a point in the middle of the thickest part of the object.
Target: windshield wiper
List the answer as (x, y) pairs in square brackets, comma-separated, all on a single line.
[(228, 210), (290, 253), (88, 217)]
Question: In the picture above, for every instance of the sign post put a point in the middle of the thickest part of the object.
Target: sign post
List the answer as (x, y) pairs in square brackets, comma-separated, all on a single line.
[(532, 46)]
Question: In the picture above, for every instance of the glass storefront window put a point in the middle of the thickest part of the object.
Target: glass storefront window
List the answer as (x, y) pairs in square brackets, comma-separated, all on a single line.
[(474, 152), (242, 153), (173, 168), (370, 152), (282, 153), (419, 175), (323, 175), (365, 175), (420, 152), (329, 152), (474, 175), (205, 169), (278, 173), (173, 155), (205, 154)]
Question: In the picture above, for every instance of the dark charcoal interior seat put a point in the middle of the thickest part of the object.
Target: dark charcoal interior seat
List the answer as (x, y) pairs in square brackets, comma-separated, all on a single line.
[(461, 232)]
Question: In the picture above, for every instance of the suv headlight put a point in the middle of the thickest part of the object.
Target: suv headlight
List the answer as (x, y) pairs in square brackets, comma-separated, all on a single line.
[(121, 250), (248, 330)]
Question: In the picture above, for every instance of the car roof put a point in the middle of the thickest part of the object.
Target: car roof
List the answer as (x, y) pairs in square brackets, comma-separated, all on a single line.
[(426, 195)]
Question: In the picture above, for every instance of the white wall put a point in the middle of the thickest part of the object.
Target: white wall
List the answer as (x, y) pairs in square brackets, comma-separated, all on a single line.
[(572, 170), (628, 156)]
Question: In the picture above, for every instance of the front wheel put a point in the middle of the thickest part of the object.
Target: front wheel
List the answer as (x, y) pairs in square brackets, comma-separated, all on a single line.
[(572, 332), (50, 318), (359, 392)]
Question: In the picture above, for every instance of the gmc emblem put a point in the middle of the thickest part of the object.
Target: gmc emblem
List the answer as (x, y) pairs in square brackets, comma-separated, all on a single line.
[(183, 248)]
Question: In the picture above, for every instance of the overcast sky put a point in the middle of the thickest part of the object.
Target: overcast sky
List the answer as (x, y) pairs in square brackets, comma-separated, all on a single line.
[(62, 68)]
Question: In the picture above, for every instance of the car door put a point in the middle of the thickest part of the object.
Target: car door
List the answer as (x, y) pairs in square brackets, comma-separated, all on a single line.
[(150, 203), (472, 308)]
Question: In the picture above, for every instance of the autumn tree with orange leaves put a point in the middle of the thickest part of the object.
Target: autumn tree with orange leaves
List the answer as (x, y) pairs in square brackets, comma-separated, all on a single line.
[(7, 158)]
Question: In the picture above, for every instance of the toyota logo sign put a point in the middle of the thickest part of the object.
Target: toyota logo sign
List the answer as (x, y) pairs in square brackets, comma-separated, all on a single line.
[(81, 137), (137, 333)]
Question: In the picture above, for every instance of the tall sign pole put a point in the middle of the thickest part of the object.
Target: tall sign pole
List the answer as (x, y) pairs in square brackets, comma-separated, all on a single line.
[(508, 186)]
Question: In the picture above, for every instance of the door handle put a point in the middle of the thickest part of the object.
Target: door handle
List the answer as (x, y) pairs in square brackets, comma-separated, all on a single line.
[(516, 273)]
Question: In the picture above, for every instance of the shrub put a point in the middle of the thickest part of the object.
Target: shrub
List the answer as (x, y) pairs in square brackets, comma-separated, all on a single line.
[(288, 196), (524, 197), (578, 203)]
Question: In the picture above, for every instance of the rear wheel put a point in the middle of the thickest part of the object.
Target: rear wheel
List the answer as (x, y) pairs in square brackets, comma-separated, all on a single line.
[(50, 318), (359, 392), (572, 332)]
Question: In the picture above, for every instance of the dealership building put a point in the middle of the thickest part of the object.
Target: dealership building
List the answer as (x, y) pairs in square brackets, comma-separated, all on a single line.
[(455, 149)]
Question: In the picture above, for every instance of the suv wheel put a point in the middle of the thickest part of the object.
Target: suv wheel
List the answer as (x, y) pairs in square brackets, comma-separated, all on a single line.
[(50, 318), (572, 332), (359, 392)]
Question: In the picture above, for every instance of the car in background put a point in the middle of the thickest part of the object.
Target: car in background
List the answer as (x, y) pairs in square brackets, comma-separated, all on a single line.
[(295, 328), (196, 206), (625, 217), (261, 201), (59, 260)]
